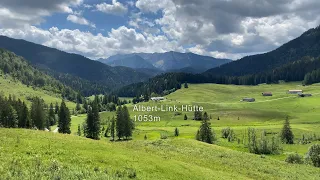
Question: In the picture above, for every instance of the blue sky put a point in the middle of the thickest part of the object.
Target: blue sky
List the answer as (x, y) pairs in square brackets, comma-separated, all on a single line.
[(102, 28)]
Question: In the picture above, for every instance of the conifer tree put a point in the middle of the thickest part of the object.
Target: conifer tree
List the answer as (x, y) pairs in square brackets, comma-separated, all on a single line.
[(186, 85), (51, 115), (93, 121), (56, 110), (37, 113), (145, 137), (205, 133), (64, 119), (119, 123), (79, 130), (112, 128), (185, 117), (176, 132), (127, 123), (286, 133)]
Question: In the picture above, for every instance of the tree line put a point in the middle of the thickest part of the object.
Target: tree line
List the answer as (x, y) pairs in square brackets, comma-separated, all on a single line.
[(14, 113), (305, 69)]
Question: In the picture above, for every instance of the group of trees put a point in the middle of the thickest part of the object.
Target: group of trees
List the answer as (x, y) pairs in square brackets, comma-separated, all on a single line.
[(20, 69), (121, 127), (104, 103), (124, 125), (306, 69), (15, 114)]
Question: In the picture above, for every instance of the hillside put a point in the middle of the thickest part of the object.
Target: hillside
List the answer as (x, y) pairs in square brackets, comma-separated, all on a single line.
[(20, 70), (308, 44), (132, 61), (30, 154), (10, 86), (61, 62), (168, 61)]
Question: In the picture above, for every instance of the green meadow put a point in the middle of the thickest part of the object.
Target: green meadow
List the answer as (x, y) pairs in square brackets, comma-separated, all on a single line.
[(25, 93), (29, 154), (223, 102)]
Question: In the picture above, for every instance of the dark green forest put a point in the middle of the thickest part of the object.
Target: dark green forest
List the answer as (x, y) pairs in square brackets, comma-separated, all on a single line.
[(21, 70)]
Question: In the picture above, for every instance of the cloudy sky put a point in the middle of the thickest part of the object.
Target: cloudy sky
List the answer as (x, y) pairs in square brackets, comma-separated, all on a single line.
[(101, 28)]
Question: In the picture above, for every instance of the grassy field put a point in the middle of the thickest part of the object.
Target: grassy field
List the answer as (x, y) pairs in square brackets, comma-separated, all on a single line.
[(9, 86), (223, 101), (26, 153), (29, 154)]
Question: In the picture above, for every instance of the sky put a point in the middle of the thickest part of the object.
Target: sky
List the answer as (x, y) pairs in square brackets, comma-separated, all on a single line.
[(102, 28)]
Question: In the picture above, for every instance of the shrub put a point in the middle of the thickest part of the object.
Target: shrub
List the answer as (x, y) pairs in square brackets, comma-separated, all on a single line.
[(264, 145), (313, 155), (228, 133), (163, 135), (294, 159)]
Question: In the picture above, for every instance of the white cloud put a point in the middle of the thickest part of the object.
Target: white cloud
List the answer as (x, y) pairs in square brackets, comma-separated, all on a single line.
[(120, 40), (18, 13), (116, 8), (80, 20), (152, 5)]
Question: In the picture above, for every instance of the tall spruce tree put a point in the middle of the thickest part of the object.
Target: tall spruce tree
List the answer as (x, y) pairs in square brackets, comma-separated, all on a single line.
[(119, 123), (127, 123), (38, 115), (93, 121), (51, 115), (205, 133), (64, 119), (56, 109), (112, 128), (286, 133)]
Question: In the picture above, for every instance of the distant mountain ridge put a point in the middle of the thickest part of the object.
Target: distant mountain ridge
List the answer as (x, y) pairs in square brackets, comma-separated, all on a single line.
[(308, 44), (90, 71), (166, 62)]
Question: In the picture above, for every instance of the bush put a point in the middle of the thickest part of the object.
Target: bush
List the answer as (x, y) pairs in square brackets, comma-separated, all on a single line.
[(228, 133), (313, 155), (294, 159), (163, 135), (264, 145)]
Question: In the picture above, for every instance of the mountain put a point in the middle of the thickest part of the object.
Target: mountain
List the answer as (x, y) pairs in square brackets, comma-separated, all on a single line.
[(59, 62), (297, 60), (20, 70), (168, 61), (308, 44), (131, 60)]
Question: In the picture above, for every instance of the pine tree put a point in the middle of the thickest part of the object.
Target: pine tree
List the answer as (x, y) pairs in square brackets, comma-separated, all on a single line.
[(51, 115), (185, 117), (64, 119), (127, 123), (79, 130), (176, 132), (89, 123), (286, 133), (119, 123), (186, 85), (24, 118), (205, 116), (112, 128), (12, 117), (56, 110), (93, 121), (205, 132), (37, 113)]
